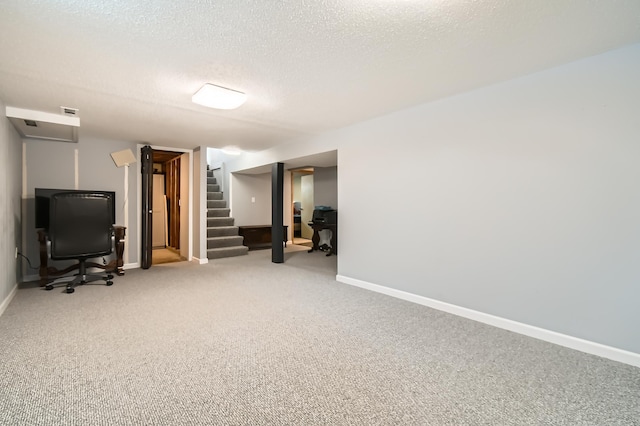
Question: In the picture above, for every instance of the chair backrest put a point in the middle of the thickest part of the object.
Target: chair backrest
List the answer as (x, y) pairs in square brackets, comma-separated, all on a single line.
[(80, 225)]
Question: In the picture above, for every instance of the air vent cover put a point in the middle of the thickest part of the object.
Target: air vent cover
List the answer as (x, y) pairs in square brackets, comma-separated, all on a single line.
[(72, 112)]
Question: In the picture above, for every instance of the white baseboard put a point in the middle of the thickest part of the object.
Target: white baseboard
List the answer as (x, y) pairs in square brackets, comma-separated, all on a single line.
[(8, 299), (571, 342), (200, 261), (130, 266)]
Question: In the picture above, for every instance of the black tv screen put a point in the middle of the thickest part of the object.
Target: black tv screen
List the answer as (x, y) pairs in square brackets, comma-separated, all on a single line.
[(43, 196)]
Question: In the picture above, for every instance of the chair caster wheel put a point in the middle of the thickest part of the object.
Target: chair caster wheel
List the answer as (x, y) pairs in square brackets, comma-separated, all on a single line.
[(48, 287), (109, 277), (109, 283), (70, 290)]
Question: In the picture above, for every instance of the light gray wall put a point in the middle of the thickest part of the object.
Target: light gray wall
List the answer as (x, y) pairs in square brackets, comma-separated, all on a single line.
[(10, 208), (246, 212), (325, 186), (518, 200), (246, 187), (51, 164)]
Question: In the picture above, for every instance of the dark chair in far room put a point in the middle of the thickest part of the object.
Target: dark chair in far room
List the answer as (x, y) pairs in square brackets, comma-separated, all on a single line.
[(80, 228)]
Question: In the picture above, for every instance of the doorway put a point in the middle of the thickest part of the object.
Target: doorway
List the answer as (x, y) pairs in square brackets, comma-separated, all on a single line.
[(302, 205), (169, 207)]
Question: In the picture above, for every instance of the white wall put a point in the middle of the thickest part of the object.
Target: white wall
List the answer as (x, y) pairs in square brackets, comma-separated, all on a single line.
[(257, 186), (217, 161), (10, 209), (244, 189), (200, 204), (518, 200), (319, 144)]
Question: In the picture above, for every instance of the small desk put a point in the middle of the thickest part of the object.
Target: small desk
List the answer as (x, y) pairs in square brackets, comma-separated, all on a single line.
[(319, 226), (47, 272)]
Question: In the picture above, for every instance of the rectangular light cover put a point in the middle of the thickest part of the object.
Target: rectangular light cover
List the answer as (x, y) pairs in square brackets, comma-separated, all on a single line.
[(123, 158), (213, 96)]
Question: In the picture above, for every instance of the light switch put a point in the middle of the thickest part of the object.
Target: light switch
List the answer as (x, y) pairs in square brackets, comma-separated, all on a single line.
[(253, 199)]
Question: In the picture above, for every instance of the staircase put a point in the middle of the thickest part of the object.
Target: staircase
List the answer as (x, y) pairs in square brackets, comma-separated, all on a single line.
[(222, 237)]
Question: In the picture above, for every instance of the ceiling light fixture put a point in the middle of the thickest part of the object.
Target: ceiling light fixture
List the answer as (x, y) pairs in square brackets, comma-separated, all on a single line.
[(213, 96)]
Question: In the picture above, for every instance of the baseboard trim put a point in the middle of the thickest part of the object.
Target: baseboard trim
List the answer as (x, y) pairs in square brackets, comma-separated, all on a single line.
[(571, 342), (130, 266), (199, 261), (8, 299)]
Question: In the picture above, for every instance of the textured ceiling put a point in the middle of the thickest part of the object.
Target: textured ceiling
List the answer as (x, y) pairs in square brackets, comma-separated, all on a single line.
[(307, 65)]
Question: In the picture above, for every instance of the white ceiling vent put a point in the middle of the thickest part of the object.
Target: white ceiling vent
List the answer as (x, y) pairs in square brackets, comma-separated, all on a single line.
[(44, 125)]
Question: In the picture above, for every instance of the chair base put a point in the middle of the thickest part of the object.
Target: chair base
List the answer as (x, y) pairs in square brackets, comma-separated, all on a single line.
[(80, 278)]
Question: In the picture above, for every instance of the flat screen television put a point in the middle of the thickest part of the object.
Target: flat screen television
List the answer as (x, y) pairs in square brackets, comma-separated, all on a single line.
[(43, 196)]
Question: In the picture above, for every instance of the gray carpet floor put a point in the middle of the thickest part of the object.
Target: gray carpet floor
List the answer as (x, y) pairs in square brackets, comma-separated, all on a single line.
[(243, 341)]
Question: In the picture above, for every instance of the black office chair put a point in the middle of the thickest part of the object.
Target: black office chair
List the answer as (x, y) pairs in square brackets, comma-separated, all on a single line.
[(80, 227)]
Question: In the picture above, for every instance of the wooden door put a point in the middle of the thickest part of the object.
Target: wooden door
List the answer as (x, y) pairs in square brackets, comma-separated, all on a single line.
[(159, 239), (173, 200)]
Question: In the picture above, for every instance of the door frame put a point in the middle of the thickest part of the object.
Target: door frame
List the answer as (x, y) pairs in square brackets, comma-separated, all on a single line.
[(189, 204), (301, 171)]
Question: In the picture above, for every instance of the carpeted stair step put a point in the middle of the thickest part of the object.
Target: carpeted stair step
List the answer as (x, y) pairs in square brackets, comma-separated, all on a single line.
[(222, 231), (216, 204), (222, 237), (218, 253), (218, 242), (219, 221), (223, 212)]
